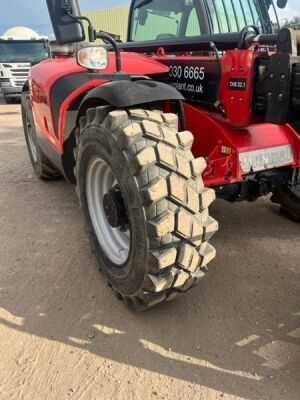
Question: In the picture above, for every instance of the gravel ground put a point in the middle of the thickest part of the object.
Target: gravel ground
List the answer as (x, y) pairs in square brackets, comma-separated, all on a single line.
[(63, 335)]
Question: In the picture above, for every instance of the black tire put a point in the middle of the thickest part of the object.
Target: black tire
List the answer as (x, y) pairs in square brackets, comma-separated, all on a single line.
[(165, 198), (8, 100), (289, 199), (41, 165)]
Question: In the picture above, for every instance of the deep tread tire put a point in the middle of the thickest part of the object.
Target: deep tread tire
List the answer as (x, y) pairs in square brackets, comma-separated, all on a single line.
[(289, 201), (41, 165), (166, 201), (9, 100)]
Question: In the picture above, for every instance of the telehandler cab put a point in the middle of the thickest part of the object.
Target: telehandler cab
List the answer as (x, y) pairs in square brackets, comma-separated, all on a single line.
[(202, 100)]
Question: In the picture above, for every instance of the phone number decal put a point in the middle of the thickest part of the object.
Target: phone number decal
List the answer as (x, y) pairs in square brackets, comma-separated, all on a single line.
[(187, 79), (179, 72)]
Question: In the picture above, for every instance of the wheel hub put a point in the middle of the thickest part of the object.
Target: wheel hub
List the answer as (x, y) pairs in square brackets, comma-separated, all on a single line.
[(114, 208), (105, 214)]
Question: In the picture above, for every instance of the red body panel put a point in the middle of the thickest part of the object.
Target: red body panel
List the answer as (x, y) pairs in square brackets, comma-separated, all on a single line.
[(44, 75), (238, 66), (220, 142), (220, 139), (217, 138)]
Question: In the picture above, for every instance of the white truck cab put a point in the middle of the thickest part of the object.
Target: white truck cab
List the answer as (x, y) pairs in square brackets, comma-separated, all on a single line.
[(20, 47)]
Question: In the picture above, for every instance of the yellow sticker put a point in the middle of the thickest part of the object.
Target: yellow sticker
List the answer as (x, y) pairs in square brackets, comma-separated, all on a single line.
[(226, 150)]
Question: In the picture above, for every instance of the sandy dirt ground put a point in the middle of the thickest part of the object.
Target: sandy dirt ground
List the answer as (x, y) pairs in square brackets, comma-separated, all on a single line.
[(63, 335)]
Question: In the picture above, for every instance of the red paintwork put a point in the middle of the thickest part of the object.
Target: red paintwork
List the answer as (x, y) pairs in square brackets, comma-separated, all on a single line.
[(237, 104), (44, 75), (218, 139), (213, 133), (239, 132), (235, 64)]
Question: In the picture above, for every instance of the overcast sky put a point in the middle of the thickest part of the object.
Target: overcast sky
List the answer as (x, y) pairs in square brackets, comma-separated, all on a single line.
[(33, 13)]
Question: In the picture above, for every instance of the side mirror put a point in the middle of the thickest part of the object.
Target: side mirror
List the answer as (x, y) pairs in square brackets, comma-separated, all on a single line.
[(281, 3), (66, 29)]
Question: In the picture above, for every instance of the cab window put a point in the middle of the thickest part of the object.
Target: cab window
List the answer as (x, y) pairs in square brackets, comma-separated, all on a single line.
[(157, 19), (232, 16)]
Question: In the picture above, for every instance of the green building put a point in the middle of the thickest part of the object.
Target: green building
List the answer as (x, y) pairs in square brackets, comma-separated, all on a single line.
[(113, 20)]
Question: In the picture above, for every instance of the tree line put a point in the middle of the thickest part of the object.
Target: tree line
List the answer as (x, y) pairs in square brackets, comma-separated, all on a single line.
[(293, 23)]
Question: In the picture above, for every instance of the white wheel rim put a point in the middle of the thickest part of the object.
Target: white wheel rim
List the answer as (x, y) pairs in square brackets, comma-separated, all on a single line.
[(31, 143), (114, 242)]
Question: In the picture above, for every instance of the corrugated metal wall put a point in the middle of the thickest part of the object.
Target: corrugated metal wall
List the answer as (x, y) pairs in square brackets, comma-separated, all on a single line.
[(113, 20)]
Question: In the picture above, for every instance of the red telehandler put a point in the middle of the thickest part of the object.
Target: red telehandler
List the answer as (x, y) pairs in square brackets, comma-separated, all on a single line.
[(203, 100)]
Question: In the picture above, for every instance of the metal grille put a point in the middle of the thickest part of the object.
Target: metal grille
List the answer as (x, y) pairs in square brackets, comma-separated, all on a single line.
[(19, 70)]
